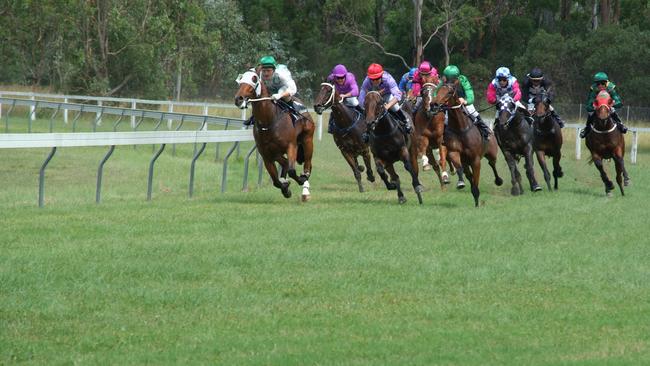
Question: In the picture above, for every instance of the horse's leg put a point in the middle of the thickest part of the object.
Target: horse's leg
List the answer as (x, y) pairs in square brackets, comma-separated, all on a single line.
[(308, 150), (273, 172), (512, 165), (530, 172), (475, 178), (454, 158), (412, 169), (352, 162), (557, 169), (609, 186), (284, 166), (379, 164), (491, 155), (394, 178), (366, 160), (620, 166), (442, 149), (542, 163)]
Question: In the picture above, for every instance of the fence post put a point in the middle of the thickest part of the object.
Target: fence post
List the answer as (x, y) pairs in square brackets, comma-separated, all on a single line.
[(65, 111), (32, 110), (320, 127), (170, 109), (98, 116), (627, 117), (635, 142), (205, 113), (578, 143), (579, 113), (0, 107), (133, 105)]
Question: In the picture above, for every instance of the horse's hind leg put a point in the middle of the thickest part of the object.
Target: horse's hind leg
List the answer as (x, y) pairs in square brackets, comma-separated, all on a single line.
[(542, 163), (283, 184), (408, 165), (442, 149), (620, 167), (352, 162), (557, 169), (609, 186), (394, 178), (366, 160), (515, 177), (530, 172), (473, 170), (491, 156), (454, 157)]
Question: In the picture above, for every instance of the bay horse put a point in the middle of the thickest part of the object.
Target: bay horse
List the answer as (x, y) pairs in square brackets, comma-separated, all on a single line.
[(465, 145), (547, 138), (429, 131), (605, 141), (349, 125), (389, 145), (515, 137), (278, 138)]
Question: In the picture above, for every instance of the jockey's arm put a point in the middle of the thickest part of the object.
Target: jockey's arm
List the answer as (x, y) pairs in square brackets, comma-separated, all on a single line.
[(467, 87), (618, 103), (516, 90)]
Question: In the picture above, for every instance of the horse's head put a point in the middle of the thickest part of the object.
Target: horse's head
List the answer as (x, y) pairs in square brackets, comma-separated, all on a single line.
[(427, 99), (374, 106), (542, 104), (249, 87), (446, 95), (506, 109), (603, 105), (327, 97)]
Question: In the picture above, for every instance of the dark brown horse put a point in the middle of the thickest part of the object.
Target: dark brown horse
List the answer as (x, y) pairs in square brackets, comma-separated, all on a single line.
[(428, 134), (278, 138), (605, 141), (349, 125), (515, 137), (465, 146), (547, 139), (388, 145)]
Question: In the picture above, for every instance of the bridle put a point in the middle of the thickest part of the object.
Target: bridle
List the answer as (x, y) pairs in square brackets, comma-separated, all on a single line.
[(330, 100), (256, 85)]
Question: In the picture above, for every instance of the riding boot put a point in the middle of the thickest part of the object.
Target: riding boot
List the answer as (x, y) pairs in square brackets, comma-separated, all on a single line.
[(249, 122), (482, 127), (557, 118), (406, 122), (619, 123), (359, 108)]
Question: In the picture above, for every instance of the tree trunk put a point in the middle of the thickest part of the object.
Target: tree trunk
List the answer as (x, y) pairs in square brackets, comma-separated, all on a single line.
[(379, 20), (594, 15), (565, 9), (417, 31), (604, 12), (445, 43), (179, 77)]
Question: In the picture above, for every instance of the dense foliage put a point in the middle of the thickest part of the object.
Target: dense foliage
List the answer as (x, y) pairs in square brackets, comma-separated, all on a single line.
[(195, 48)]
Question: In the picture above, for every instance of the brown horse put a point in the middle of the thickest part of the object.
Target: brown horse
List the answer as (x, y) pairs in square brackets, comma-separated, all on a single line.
[(428, 134), (464, 143), (278, 137), (349, 125), (605, 141), (389, 145), (547, 139), (515, 137)]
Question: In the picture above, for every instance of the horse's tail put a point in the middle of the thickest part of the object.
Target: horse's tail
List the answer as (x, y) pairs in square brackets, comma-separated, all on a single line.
[(301, 154)]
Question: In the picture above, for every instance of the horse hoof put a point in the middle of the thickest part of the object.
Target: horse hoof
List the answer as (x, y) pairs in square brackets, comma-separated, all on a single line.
[(536, 188), (305, 197), (514, 192), (626, 182), (391, 186), (427, 167), (371, 178), (361, 168), (445, 178), (286, 193), (609, 194), (401, 200), (419, 189), (460, 185), (498, 182), (559, 174)]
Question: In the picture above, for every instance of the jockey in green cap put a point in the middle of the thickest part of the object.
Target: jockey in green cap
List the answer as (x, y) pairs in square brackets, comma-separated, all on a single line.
[(452, 73), (601, 82)]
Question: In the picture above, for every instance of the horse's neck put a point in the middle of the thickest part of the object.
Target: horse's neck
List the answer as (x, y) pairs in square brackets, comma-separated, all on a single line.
[(457, 119), (264, 111), (342, 114)]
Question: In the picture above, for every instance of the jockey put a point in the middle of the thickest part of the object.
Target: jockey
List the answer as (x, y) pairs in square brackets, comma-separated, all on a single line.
[(426, 74), (502, 84), (601, 82), (535, 83), (450, 74), (346, 84), (280, 84), (379, 80), (406, 82)]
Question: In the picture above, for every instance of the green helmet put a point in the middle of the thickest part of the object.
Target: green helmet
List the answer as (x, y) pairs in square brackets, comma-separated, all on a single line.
[(451, 72), (268, 61), (600, 76)]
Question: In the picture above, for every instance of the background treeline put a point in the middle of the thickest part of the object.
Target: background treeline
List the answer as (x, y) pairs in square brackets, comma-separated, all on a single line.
[(194, 49)]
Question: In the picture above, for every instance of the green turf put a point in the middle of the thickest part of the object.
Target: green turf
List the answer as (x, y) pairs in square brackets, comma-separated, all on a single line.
[(347, 278)]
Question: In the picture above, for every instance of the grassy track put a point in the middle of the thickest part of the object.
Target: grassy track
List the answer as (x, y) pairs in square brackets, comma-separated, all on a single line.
[(348, 278)]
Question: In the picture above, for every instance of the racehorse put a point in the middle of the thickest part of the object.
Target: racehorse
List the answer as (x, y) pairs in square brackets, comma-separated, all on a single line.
[(389, 145), (278, 137), (349, 125), (547, 138), (464, 143), (605, 141), (429, 131), (515, 136)]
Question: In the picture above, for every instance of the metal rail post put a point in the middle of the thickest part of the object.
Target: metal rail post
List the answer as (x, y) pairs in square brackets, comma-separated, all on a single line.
[(13, 105), (225, 166), (635, 146), (98, 117), (52, 117), (41, 178), (153, 161), (192, 167), (578, 143), (244, 187), (100, 172), (65, 112), (320, 127)]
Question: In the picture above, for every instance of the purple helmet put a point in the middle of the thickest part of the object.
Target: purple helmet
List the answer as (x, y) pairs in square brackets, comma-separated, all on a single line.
[(339, 71)]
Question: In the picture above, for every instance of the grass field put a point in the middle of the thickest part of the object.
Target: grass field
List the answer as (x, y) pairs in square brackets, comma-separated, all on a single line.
[(348, 278)]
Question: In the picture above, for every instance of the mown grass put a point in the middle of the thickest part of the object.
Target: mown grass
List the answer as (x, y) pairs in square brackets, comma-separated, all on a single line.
[(348, 278)]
